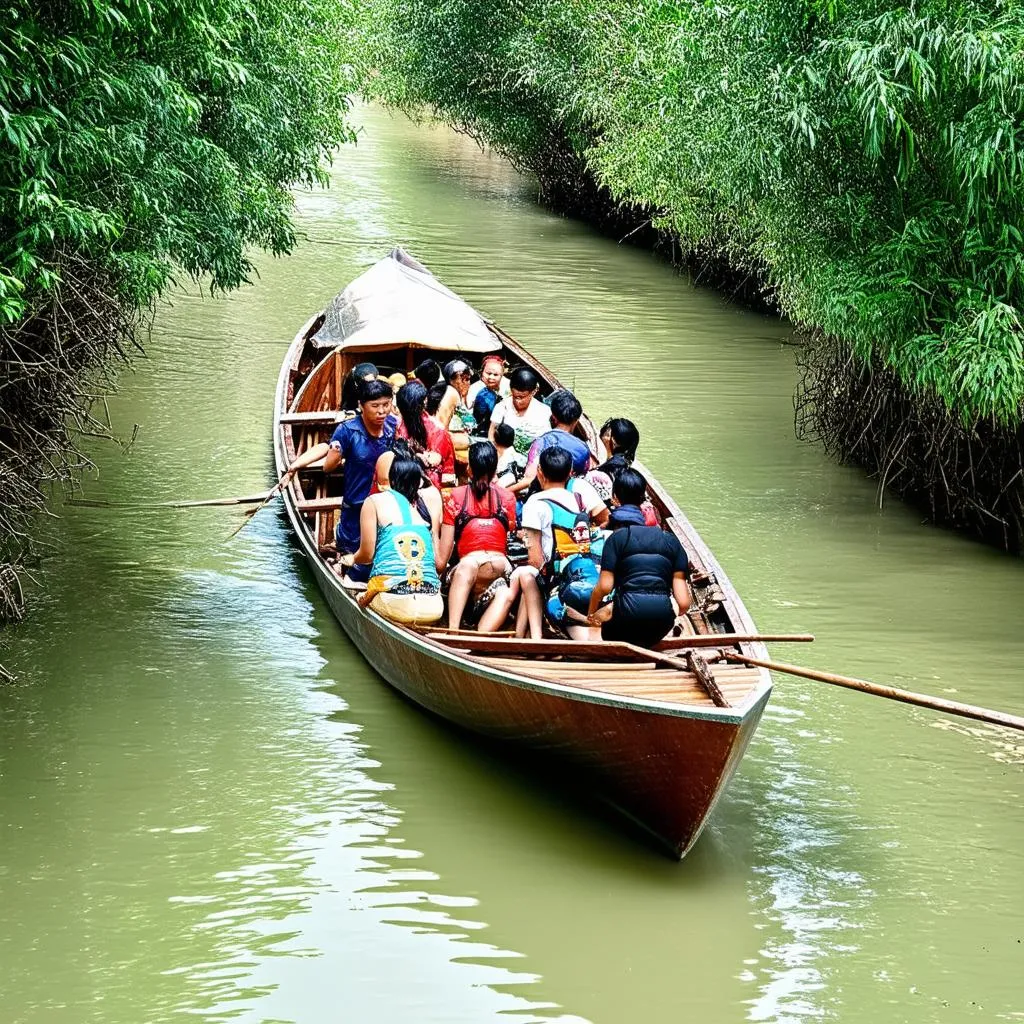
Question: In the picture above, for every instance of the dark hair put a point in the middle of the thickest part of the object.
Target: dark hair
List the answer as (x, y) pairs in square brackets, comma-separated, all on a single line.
[(483, 460), (411, 401), (374, 390), (435, 396), (428, 373), (406, 477), (565, 407), (624, 435), (456, 366), (352, 389), (523, 379), (504, 434), (629, 487), (556, 464), (401, 450)]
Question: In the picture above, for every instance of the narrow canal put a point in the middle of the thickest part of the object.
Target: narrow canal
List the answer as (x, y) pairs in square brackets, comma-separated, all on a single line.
[(210, 805)]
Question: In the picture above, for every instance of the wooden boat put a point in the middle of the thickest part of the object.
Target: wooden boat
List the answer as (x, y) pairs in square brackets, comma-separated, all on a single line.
[(656, 733)]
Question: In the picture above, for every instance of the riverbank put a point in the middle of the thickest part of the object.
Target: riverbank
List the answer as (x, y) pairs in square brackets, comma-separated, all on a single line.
[(143, 146), (964, 476), (808, 164)]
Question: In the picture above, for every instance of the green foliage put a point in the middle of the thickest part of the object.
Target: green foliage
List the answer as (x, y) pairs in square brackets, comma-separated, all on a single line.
[(150, 135), (138, 139), (867, 159)]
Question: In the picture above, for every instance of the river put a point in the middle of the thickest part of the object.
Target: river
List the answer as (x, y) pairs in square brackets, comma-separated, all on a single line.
[(210, 805)]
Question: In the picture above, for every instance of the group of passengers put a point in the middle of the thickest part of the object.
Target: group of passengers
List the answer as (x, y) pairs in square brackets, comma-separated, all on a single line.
[(597, 563)]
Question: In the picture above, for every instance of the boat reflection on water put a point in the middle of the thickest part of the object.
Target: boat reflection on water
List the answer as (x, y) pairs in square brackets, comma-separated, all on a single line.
[(302, 923)]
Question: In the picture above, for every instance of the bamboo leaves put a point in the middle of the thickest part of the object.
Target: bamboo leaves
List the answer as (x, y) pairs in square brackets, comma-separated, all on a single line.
[(139, 139), (867, 157)]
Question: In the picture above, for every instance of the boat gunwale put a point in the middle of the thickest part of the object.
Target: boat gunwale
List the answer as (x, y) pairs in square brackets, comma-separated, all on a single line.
[(752, 702)]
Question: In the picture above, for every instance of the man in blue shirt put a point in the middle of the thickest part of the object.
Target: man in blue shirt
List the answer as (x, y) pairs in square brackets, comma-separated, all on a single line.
[(356, 444), (565, 414)]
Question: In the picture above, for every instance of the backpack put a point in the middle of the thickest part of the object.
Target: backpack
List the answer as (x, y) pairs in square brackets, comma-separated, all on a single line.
[(570, 534), (576, 555), (463, 517)]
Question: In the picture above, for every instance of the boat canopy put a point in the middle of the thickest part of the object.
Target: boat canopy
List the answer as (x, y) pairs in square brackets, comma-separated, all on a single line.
[(398, 302)]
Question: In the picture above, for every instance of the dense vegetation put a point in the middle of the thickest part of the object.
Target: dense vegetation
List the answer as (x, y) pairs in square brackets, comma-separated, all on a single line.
[(863, 160), (139, 139)]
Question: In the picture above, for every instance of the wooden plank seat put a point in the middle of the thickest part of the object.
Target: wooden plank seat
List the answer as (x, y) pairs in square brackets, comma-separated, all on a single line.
[(725, 675), (596, 649), (680, 688), (568, 666), (327, 417), (666, 679), (654, 684), (310, 506)]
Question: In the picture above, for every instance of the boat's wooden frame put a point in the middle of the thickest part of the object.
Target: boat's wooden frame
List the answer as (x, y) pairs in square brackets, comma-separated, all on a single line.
[(644, 727)]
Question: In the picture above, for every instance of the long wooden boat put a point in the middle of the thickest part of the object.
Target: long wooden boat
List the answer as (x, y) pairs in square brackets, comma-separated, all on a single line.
[(656, 733)]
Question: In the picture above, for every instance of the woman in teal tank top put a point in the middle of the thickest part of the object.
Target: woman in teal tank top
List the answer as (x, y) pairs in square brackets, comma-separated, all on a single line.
[(398, 536)]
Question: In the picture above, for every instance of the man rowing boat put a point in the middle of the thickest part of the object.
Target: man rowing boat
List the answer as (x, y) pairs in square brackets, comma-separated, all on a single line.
[(356, 444)]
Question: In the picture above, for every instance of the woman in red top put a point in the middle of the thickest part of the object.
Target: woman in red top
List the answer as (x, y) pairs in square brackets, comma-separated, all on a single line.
[(476, 522), (429, 441)]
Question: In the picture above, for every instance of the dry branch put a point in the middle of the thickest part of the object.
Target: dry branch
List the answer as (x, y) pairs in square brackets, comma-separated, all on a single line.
[(54, 365)]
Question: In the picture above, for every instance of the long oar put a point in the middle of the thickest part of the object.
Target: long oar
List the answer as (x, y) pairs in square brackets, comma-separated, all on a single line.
[(250, 513), (923, 700), (248, 499)]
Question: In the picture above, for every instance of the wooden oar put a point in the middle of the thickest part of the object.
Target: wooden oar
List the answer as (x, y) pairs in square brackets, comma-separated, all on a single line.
[(923, 700), (248, 499), (250, 514)]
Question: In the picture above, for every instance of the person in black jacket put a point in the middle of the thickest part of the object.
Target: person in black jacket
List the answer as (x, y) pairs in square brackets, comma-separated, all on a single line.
[(645, 565)]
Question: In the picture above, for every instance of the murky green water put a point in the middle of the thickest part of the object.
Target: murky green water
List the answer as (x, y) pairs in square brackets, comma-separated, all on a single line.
[(210, 805)]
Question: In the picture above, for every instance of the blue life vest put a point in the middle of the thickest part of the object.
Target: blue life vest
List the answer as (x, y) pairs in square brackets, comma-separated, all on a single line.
[(575, 554)]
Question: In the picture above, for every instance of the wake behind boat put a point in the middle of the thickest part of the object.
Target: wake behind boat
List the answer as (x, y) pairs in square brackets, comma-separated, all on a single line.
[(657, 733)]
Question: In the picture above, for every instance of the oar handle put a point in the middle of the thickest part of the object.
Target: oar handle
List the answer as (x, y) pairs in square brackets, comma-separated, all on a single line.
[(923, 700)]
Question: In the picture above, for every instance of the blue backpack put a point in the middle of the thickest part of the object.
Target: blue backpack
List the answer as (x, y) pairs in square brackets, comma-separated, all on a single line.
[(483, 406), (575, 554)]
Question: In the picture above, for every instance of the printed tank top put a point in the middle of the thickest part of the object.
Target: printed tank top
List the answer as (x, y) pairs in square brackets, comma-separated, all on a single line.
[(405, 552)]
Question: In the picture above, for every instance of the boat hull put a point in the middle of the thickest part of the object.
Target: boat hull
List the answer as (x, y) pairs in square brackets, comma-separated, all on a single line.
[(664, 768), (663, 763)]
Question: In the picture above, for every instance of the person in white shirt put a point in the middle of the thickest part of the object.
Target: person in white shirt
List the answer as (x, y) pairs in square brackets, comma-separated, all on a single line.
[(572, 492), (576, 505), (527, 416)]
